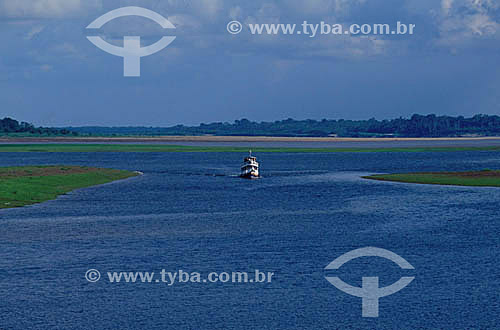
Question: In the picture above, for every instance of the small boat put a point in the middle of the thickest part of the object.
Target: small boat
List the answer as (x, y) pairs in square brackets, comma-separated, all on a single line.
[(250, 168)]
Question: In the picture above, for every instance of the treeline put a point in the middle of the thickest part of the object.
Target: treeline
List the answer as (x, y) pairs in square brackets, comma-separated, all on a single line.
[(11, 126), (416, 126)]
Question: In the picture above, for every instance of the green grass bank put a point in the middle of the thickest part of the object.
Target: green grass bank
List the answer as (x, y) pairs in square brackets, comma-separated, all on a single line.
[(486, 178), (26, 185)]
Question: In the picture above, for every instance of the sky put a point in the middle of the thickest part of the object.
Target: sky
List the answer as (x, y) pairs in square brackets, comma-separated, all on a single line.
[(51, 75)]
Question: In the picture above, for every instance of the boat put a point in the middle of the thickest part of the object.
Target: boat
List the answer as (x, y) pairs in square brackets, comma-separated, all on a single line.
[(250, 168)]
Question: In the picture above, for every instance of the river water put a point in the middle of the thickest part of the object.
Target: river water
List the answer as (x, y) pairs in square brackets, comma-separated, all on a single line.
[(190, 212)]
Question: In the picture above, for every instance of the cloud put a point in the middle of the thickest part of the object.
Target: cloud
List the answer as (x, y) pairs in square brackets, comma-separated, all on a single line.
[(446, 6), (207, 8), (185, 21), (201, 24), (301, 47), (316, 7), (46, 8), (465, 21), (267, 13)]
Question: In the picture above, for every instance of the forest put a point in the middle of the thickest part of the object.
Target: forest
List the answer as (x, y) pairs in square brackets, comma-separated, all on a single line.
[(416, 126), (13, 127)]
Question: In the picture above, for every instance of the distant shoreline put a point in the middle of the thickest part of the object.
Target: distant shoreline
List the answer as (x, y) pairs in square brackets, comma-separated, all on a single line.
[(158, 147), (227, 139)]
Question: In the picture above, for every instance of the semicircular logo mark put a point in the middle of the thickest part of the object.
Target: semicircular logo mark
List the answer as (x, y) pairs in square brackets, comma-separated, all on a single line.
[(370, 291), (131, 50)]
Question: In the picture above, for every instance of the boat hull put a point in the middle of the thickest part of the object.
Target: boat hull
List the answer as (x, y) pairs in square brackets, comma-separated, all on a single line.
[(250, 175)]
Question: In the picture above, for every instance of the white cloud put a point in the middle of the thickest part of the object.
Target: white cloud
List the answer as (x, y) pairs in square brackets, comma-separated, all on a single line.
[(185, 21), (464, 21), (207, 8), (446, 6), (45, 8), (482, 24), (268, 13), (486, 4), (316, 7)]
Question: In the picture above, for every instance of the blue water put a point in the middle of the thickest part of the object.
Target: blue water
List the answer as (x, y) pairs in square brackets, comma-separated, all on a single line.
[(190, 212)]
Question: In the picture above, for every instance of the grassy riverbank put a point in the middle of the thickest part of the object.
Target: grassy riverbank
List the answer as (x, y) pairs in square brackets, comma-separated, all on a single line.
[(26, 185), (179, 148), (486, 178)]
